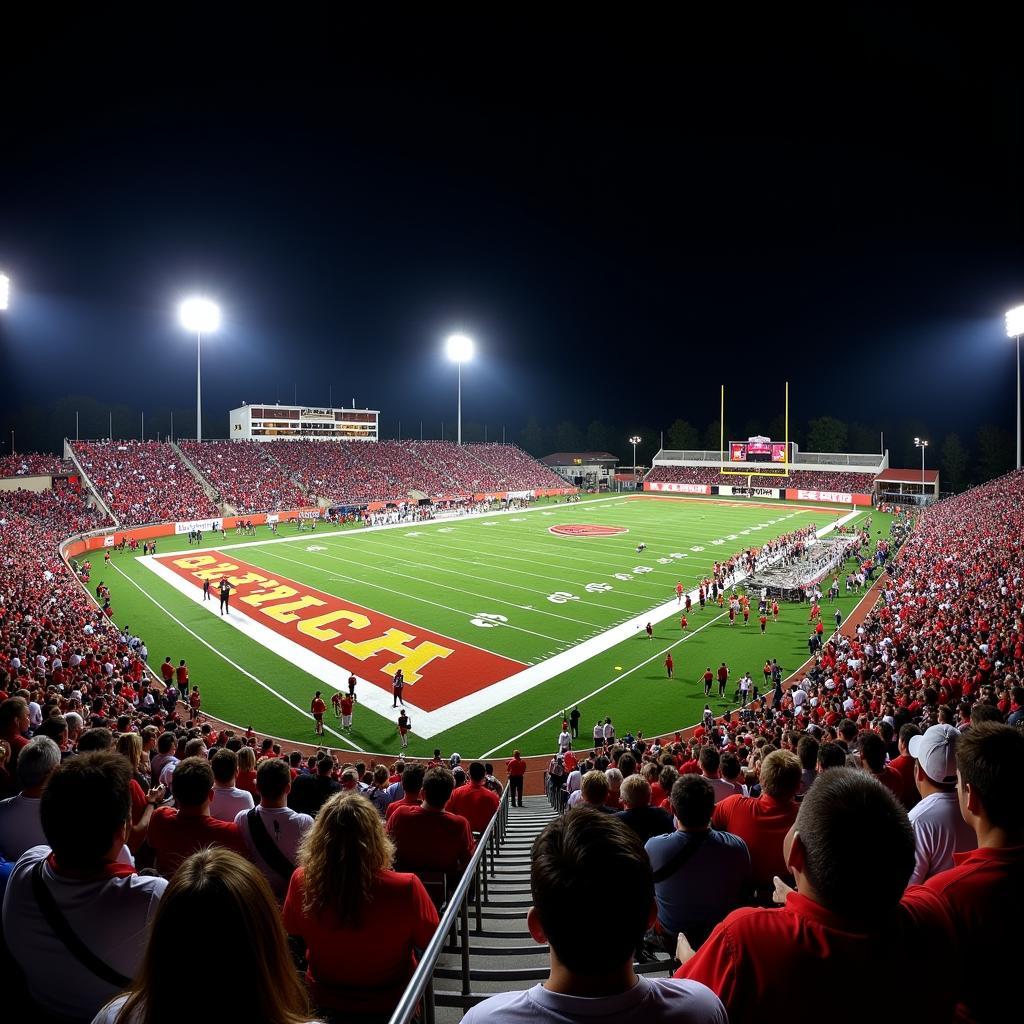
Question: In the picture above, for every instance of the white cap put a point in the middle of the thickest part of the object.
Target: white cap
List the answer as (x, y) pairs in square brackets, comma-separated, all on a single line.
[(935, 751)]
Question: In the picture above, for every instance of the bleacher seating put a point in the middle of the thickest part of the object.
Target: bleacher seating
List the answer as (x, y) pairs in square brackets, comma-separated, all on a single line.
[(804, 479), (33, 463), (245, 475)]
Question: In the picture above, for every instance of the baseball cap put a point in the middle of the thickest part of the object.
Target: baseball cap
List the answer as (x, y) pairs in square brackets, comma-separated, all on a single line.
[(936, 752)]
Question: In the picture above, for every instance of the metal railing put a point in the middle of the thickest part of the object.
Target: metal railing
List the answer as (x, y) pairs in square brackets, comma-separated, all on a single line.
[(456, 917)]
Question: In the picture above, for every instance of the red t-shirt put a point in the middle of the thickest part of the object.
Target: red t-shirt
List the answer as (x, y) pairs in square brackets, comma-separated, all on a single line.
[(167, 671), (181, 672), (175, 835), (341, 975), (431, 840), (318, 707), (908, 794), (346, 705), (409, 800), (475, 803), (984, 894), (755, 957), (516, 768), (762, 823)]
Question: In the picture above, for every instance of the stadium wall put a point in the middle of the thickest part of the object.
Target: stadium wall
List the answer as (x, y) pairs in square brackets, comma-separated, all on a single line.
[(779, 494)]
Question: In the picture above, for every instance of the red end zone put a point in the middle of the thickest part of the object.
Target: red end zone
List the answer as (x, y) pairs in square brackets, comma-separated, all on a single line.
[(437, 669)]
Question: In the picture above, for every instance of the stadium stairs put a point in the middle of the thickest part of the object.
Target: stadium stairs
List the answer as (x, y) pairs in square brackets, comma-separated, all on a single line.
[(502, 955), (208, 489), (69, 453)]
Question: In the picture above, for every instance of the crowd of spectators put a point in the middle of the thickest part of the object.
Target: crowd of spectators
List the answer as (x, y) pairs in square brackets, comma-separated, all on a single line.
[(143, 481), (33, 464), (804, 479), (515, 470), (245, 475)]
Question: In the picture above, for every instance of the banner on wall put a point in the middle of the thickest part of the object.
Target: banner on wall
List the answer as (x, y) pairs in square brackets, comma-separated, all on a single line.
[(203, 525), (747, 492), (839, 497), (108, 541), (309, 513), (657, 485), (273, 517)]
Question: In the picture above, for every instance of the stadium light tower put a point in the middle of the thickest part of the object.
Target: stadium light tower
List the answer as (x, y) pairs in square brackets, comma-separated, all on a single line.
[(634, 441), (1014, 329), (460, 350), (200, 316), (920, 442), (5, 291)]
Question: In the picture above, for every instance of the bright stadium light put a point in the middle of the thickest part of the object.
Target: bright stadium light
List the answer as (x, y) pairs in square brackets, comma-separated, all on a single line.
[(1014, 329), (200, 316), (5, 291), (460, 350), (920, 442)]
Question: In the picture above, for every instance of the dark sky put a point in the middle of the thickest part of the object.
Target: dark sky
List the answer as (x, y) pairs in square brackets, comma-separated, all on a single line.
[(624, 210)]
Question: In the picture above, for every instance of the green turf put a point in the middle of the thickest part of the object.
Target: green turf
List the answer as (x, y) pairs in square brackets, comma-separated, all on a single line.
[(447, 573)]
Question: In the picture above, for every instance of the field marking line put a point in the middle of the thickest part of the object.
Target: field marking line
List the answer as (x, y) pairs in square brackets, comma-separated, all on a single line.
[(233, 664), (604, 686)]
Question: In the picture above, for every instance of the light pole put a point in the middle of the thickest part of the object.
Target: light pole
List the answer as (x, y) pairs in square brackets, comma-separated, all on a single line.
[(460, 350), (1014, 329), (200, 316), (634, 441), (920, 442)]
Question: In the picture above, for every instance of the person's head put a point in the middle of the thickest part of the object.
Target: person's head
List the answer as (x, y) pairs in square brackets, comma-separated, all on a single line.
[(129, 745), (594, 787), (730, 768), (693, 801), (872, 751), (246, 759), (831, 755), (780, 775), (934, 756), (635, 791), (710, 761), (56, 728), (350, 779), (851, 847), (988, 758), (381, 776), (438, 784), (37, 761), (667, 777), (627, 764), (807, 752), (341, 856), (96, 739), (412, 780), (982, 713), (273, 780), (217, 885), (847, 731), (573, 860), (166, 743), (477, 772), (14, 716), (192, 782), (225, 766), (324, 764), (84, 810)]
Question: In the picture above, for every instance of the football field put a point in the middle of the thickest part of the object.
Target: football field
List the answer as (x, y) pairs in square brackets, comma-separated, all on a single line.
[(498, 622)]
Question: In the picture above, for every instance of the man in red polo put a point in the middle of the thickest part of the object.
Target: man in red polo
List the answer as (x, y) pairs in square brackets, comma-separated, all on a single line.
[(516, 770), (474, 801), (412, 786), (177, 834), (429, 838), (762, 822), (983, 890), (851, 852)]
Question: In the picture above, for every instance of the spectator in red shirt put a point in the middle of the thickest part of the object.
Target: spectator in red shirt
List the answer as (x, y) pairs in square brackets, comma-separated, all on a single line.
[(412, 787), (983, 889), (516, 770), (216, 885), (474, 801), (872, 755), (904, 764), (174, 835), (360, 921), (762, 822), (429, 838), (851, 851)]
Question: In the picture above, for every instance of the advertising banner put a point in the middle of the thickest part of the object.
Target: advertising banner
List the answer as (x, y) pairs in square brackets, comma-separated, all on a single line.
[(673, 488), (203, 525)]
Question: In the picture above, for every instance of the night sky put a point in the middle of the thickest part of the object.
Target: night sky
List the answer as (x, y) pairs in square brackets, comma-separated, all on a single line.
[(623, 210)]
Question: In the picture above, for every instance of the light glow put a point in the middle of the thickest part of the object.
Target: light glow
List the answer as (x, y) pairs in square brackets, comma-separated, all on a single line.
[(635, 439), (459, 348), (5, 291), (199, 315), (1015, 322)]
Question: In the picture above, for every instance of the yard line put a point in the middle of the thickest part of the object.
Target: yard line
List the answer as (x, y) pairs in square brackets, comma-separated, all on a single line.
[(233, 664), (600, 689)]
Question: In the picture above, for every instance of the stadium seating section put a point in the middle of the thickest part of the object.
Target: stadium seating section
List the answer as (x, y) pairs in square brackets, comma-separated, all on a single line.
[(805, 479), (33, 463)]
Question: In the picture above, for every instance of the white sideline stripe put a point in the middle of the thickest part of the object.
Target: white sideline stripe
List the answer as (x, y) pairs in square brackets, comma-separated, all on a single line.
[(287, 655), (673, 606)]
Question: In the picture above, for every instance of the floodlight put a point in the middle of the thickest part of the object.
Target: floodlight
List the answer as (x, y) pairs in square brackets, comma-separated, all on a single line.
[(1015, 322), (459, 348), (199, 315), (635, 439), (5, 291)]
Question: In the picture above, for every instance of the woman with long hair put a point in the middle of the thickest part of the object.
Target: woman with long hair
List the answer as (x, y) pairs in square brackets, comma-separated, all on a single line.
[(129, 746), (344, 900), (219, 909), (246, 778)]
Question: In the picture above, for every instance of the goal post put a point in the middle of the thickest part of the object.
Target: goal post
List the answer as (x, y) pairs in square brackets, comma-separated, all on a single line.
[(780, 472)]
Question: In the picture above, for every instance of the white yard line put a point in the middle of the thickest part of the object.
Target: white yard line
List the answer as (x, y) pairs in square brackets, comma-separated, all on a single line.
[(171, 577)]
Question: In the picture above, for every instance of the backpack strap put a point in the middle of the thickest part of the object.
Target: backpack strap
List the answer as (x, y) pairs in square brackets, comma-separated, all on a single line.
[(693, 844), (267, 848), (59, 926)]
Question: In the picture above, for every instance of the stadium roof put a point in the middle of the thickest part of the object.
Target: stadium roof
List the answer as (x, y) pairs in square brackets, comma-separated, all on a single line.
[(569, 458), (907, 476)]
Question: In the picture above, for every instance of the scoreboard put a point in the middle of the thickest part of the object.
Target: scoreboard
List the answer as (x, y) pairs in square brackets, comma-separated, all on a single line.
[(757, 449)]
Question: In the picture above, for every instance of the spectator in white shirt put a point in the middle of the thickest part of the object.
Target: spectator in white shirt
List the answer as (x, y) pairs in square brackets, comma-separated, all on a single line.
[(283, 827), (939, 828), (710, 768), (20, 827), (564, 741), (228, 800), (85, 811)]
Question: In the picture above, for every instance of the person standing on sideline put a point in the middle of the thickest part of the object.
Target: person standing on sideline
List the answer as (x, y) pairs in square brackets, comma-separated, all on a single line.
[(564, 741), (317, 708), (352, 684), (397, 685), (516, 770), (225, 593), (650, 631), (206, 590), (609, 732), (669, 664), (347, 704), (708, 678), (679, 593), (598, 734), (574, 722), (723, 678), (404, 725)]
